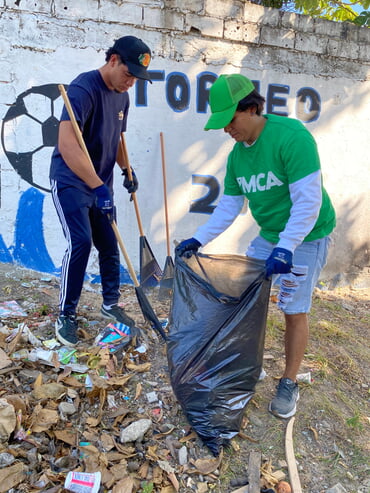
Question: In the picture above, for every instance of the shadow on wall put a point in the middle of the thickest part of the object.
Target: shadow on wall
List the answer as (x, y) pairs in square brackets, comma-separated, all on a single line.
[(349, 257)]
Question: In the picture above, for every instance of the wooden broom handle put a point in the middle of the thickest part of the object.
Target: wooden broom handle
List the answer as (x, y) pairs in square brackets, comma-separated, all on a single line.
[(75, 126), (84, 148), (125, 254), (165, 193), (129, 174)]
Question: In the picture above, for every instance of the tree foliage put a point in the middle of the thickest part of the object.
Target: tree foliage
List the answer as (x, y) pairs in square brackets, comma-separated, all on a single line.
[(335, 10)]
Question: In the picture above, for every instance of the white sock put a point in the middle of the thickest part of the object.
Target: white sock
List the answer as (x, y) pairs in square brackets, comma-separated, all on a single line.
[(107, 307)]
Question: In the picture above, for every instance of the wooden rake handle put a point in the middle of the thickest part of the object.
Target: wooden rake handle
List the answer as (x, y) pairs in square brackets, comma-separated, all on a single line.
[(82, 144), (124, 252), (129, 174), (165, 193)]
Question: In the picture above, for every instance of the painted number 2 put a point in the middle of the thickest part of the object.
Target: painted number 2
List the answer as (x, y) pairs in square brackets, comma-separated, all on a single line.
[(205, 205)]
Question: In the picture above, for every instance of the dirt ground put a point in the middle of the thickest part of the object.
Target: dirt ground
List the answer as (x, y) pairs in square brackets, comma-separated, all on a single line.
[(330, 431)]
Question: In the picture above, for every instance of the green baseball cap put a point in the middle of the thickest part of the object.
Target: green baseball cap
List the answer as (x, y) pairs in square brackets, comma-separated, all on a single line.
[(224, 96)]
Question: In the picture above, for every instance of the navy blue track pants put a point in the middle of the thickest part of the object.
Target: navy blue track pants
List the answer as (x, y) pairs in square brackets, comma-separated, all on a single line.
[(83, 225)]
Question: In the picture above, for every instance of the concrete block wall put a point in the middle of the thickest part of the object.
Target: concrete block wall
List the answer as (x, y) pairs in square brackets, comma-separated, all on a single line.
[(310, 69)]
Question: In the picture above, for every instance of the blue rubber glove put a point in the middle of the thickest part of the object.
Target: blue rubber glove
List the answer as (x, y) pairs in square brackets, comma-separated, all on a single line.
[(279, 262), (103, 199), (187, 247), (130, 185)]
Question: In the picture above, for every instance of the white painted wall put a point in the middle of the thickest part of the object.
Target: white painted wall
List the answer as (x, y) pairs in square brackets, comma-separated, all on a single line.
[(50, 42)]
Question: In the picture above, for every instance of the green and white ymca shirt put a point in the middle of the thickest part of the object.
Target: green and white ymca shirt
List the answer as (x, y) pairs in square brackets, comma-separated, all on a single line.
[(280, 176)]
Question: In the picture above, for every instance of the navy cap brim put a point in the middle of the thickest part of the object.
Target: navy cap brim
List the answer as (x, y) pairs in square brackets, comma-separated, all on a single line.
[(138, 71)]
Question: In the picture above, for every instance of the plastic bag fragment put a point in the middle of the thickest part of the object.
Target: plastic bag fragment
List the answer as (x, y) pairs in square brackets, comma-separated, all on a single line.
[(215, 341)]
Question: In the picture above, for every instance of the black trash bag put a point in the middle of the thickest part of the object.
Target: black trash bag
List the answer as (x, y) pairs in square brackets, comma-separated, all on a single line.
[(215, 341)]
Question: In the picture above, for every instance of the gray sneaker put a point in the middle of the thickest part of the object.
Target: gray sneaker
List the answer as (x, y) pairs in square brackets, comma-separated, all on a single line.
[(118, 314), (66, 330), (283, 405)]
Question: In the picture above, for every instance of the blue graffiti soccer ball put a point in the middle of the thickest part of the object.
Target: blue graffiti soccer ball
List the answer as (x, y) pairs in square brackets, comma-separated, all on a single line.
[(29, 133)]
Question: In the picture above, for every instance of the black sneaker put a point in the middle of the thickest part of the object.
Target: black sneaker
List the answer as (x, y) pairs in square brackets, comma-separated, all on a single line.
[(66, 330), (118, 314), (283, 405)]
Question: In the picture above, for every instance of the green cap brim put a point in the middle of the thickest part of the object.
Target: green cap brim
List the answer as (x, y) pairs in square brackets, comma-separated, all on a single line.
[(220, 119)]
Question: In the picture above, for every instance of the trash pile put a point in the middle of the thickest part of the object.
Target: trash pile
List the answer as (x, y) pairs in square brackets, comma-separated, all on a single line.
[(92, 409), (83, 409), (104, 417)]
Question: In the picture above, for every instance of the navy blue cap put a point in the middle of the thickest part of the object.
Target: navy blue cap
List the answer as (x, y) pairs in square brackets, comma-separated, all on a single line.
[(135, 54)]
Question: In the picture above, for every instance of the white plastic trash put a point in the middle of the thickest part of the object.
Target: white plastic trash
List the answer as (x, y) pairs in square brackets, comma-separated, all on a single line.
[(83, 482), (304, 377)]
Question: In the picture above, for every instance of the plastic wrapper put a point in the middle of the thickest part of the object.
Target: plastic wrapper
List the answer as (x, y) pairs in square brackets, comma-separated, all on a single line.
[(215, 342)]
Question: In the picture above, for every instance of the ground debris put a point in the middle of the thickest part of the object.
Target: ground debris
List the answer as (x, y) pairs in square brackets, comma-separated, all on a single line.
[(69, 410)]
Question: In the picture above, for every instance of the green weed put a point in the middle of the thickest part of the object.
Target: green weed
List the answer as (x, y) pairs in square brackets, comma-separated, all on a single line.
[(148, 487), (355, 422)]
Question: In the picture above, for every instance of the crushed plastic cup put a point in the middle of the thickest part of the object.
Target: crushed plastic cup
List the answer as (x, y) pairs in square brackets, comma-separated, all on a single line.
[(304, 377), (83, 482)]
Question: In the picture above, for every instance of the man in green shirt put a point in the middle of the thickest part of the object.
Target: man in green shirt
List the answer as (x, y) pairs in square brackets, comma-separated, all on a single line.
[(275, 165)]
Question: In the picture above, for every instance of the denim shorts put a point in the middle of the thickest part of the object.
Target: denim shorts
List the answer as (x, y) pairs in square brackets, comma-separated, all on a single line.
[(295, 288)]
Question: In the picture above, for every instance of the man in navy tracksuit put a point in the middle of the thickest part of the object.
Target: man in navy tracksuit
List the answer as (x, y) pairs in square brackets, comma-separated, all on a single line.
[(82, 194)]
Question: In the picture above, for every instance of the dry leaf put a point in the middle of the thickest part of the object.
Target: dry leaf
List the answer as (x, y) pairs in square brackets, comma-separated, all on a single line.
[(157, 475), (55, 360), (89, 450), (166, 466), (143, 470), (4, 359), (126, 451), (70, 381), (66, 436), (120, 411), (107, 442), (38, 381), (114, 456), (172, 477), (207, 466), (202, 487), (43, 420), (93, 422), (99, 382), (119, 471), (315, 434), (168, 489), (235, 445), (102, 397), (104, 357), (8, 419), (151, 453), (107, 478), (126, 485), (163, 434), (92, 463), (120, 381), (65, 373), (188, 437), (12, 476), (48, 390), (247, 437), (139, 368), (139, 389), (13, 344), (17, 401)]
